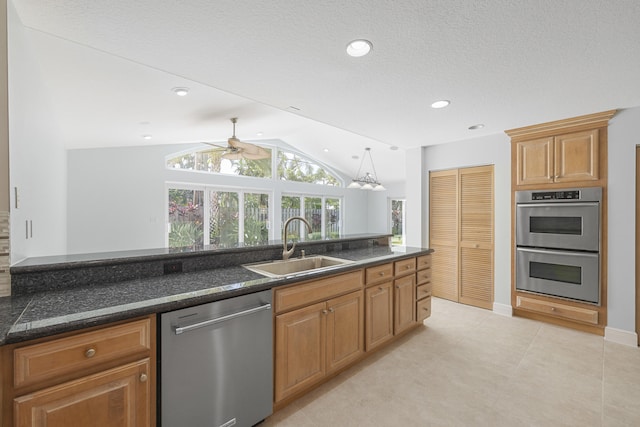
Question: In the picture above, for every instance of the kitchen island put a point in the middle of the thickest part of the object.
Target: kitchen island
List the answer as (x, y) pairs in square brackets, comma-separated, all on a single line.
[(76, 297)]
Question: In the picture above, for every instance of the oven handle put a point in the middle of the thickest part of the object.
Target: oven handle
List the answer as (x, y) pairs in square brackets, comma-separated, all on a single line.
[(552, 252), (555, 205)]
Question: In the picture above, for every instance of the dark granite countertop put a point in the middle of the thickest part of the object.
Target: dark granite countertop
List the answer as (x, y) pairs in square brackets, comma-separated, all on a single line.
[(39, 314)]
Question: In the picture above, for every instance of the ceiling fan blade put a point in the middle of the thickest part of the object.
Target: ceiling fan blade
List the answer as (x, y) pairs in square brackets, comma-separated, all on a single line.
[(233, 155), (259, 155), (215, 145)]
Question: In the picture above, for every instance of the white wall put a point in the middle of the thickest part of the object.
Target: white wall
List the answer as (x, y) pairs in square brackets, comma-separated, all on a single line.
[(37, 156), (496, 150), (623, 138), (416, 215), (117, 197), (379, 207)]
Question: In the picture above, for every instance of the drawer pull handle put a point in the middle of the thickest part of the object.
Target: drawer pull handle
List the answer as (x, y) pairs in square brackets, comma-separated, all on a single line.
[(425, 308), (380, 288), (381, 274), (553, 309), (331, 310), (407, 267), (324, 311), (143, 377), (90, 353)]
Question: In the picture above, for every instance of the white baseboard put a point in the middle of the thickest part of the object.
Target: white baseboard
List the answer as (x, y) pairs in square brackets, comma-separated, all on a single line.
[(621, 336), (502, 309)]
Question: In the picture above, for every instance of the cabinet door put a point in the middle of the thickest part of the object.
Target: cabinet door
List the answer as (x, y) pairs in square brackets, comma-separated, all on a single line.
[(404, 303), (114, 398), (476, 237), (345, 330), (379, 312), (300, 349), (443, 233), (577, 157), (534, 161)]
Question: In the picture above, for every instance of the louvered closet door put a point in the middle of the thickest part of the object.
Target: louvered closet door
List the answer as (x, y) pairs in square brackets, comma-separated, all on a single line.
[(476, 236), (443, 233)]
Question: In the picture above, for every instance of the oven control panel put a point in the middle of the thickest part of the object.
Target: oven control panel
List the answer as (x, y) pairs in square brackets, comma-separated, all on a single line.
[(555, 195)]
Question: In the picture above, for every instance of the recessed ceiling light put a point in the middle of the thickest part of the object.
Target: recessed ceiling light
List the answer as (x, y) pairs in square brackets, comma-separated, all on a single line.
[(478, 126), (441, 104), (326, 150), (259, 134), (393, 148), (180, 91), (359, 47), (146, 136)]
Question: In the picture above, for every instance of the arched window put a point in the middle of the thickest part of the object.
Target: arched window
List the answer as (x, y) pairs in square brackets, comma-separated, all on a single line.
[(294, 167), (211, 160)]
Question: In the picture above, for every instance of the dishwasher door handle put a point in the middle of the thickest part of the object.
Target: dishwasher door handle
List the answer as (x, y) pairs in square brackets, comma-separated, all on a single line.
[(181, 329)]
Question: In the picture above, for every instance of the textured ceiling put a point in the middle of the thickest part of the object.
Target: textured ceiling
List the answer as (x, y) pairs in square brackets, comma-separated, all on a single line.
[(502, 63)]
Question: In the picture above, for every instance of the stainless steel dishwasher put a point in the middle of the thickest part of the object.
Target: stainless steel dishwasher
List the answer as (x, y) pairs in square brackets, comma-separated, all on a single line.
[(216, 363)]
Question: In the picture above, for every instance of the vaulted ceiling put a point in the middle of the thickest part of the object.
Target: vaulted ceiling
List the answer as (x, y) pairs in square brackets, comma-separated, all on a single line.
[(281, 67)]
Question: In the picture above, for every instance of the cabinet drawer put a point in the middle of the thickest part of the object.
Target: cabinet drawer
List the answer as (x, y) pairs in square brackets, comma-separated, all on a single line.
[(424, 261), (62, 356), (423, 291), (318, 290), (405, 266), (423, 309), (423, 276), (558, 310), (379, 273)]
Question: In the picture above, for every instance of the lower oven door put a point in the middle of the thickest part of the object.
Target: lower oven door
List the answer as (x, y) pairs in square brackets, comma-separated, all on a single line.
[(573, 275)]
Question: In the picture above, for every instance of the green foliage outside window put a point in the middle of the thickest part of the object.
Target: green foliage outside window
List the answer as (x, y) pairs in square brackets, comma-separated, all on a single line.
[(292, 167)]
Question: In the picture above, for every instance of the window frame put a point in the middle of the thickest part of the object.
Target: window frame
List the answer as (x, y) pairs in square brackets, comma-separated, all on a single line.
[(206, 217), (323, 198)]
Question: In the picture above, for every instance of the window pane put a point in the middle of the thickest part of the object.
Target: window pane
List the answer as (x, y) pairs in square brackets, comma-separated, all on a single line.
[(210, 160), (256, 218), (313, 214), (332, 218), (223, 222), (186, 212), (291, 207), (397, 219)]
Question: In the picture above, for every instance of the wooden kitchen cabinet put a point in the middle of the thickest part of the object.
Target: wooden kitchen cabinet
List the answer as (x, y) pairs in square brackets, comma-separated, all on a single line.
[(104, 376), (320, 338), (423, 288), (113, 398), (567, 153), (404, 314), (300, 350), (570, 157), (379, 313)]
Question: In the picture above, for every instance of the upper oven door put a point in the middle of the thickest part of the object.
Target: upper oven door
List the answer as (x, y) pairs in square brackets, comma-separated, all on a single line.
[(559, 225)]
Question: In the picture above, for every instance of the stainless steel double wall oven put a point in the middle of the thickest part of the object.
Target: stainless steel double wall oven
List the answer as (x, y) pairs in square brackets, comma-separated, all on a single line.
[(558, 243)]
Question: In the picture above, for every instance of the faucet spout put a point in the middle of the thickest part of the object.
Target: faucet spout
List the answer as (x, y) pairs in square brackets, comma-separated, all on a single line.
[(286, 253)]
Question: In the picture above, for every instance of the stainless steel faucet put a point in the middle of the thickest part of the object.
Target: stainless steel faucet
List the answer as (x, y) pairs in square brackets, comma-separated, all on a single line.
[(287, 253)]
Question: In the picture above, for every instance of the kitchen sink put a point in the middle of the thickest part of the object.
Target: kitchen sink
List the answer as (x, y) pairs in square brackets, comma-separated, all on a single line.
[(292, 267)]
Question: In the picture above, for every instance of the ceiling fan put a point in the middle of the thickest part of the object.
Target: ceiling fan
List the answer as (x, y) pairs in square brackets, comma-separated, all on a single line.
[(236, 149)]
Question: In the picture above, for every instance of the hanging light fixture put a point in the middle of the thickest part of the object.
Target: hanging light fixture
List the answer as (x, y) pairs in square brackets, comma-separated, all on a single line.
[(368, 181)]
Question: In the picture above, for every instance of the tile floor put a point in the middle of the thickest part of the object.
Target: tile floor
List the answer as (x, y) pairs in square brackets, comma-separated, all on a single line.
[(471, 367)]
